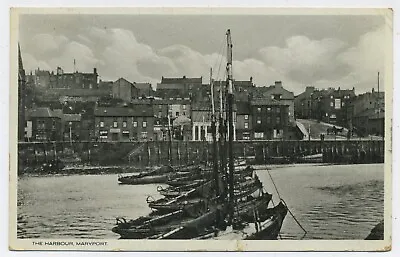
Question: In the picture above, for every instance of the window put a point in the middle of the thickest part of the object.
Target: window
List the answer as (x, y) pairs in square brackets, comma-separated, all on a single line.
[(259, 135), (184, 107), (90, 86), (331, 104), (124, 123), (268, 120), (115, 124), (246, 125), (331, 96), (144, 124), (125, 134), (177, 114), (246, 117), (259, 109), (268, 109), (144, 135), (103, 134), (278, 120), (258, 121), (101, 124), (40, 124), (338, 103), (278, 110), (159, 114), (170, 107), (184, 114), (134, 124), (246, 135)]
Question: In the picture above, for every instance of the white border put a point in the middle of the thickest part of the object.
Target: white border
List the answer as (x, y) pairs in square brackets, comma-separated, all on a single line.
[(5, 72)]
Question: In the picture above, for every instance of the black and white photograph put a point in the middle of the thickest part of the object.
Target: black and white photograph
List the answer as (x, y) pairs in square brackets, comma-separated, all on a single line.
[(268, 129)]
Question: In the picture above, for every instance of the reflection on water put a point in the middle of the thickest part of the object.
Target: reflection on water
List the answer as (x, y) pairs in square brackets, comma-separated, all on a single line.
[(331, 202)]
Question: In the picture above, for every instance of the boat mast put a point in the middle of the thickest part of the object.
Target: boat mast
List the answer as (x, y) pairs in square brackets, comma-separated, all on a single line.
[(214, 136), (169, 141), (229, 85), (221, 141)]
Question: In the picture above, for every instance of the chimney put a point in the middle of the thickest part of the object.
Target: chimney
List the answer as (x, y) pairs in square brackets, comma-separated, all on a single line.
[(251, 79), (94, 71), (184, 76), (373, 90), (278, 83)]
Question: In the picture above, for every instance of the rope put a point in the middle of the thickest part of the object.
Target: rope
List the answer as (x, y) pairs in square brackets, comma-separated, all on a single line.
[(298, 223), (295, 219), (273, 182)]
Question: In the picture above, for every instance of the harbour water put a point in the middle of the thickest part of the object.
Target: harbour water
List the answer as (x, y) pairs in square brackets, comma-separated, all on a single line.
[(331, 202)]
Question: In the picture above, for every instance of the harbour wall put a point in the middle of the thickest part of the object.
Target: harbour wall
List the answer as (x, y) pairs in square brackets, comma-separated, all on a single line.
[(140, 154)]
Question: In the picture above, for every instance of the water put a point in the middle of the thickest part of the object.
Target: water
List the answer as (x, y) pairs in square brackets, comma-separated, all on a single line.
[(331, 202)]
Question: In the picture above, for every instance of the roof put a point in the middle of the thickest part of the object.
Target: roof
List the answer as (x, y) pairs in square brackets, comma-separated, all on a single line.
[(140, 111), (265, 101), (243, 108), (274, 89), (43, 112), (58, 113), (78, 92), (42, 73), (182, 80), (181, 121), (173, 101), (142, 85), (72, 117)]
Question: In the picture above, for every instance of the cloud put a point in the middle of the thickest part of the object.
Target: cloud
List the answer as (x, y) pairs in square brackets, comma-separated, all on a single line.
[(299, 62), (31, 63), (45, 43), (303, 59), (365, 59)]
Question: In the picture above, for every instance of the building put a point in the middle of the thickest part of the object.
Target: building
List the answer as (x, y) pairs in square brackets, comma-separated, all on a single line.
[(124, 123), (145, 89), (41, 78), (328, 105), (270, 119), (72, 127), (21, 97), (243, 89), (173, 107), (278, 93), (369, 122), (177, 87), (244, 125), (365, 112), (125, 90), (74, 80), (46, 125), (302, 104), (201, 121)]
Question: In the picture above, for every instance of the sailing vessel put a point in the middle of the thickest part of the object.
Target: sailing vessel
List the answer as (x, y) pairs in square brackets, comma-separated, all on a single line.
[(224, 203)]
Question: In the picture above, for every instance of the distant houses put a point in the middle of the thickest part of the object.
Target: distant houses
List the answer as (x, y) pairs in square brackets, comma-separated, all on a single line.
[(364, 113), (78, 106)]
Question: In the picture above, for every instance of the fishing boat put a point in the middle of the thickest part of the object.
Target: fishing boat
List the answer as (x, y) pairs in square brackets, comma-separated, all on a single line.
[(225, 202), (242, 216)]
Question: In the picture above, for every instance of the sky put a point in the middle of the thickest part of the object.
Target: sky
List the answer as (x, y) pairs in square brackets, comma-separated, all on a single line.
[(323, 51)]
